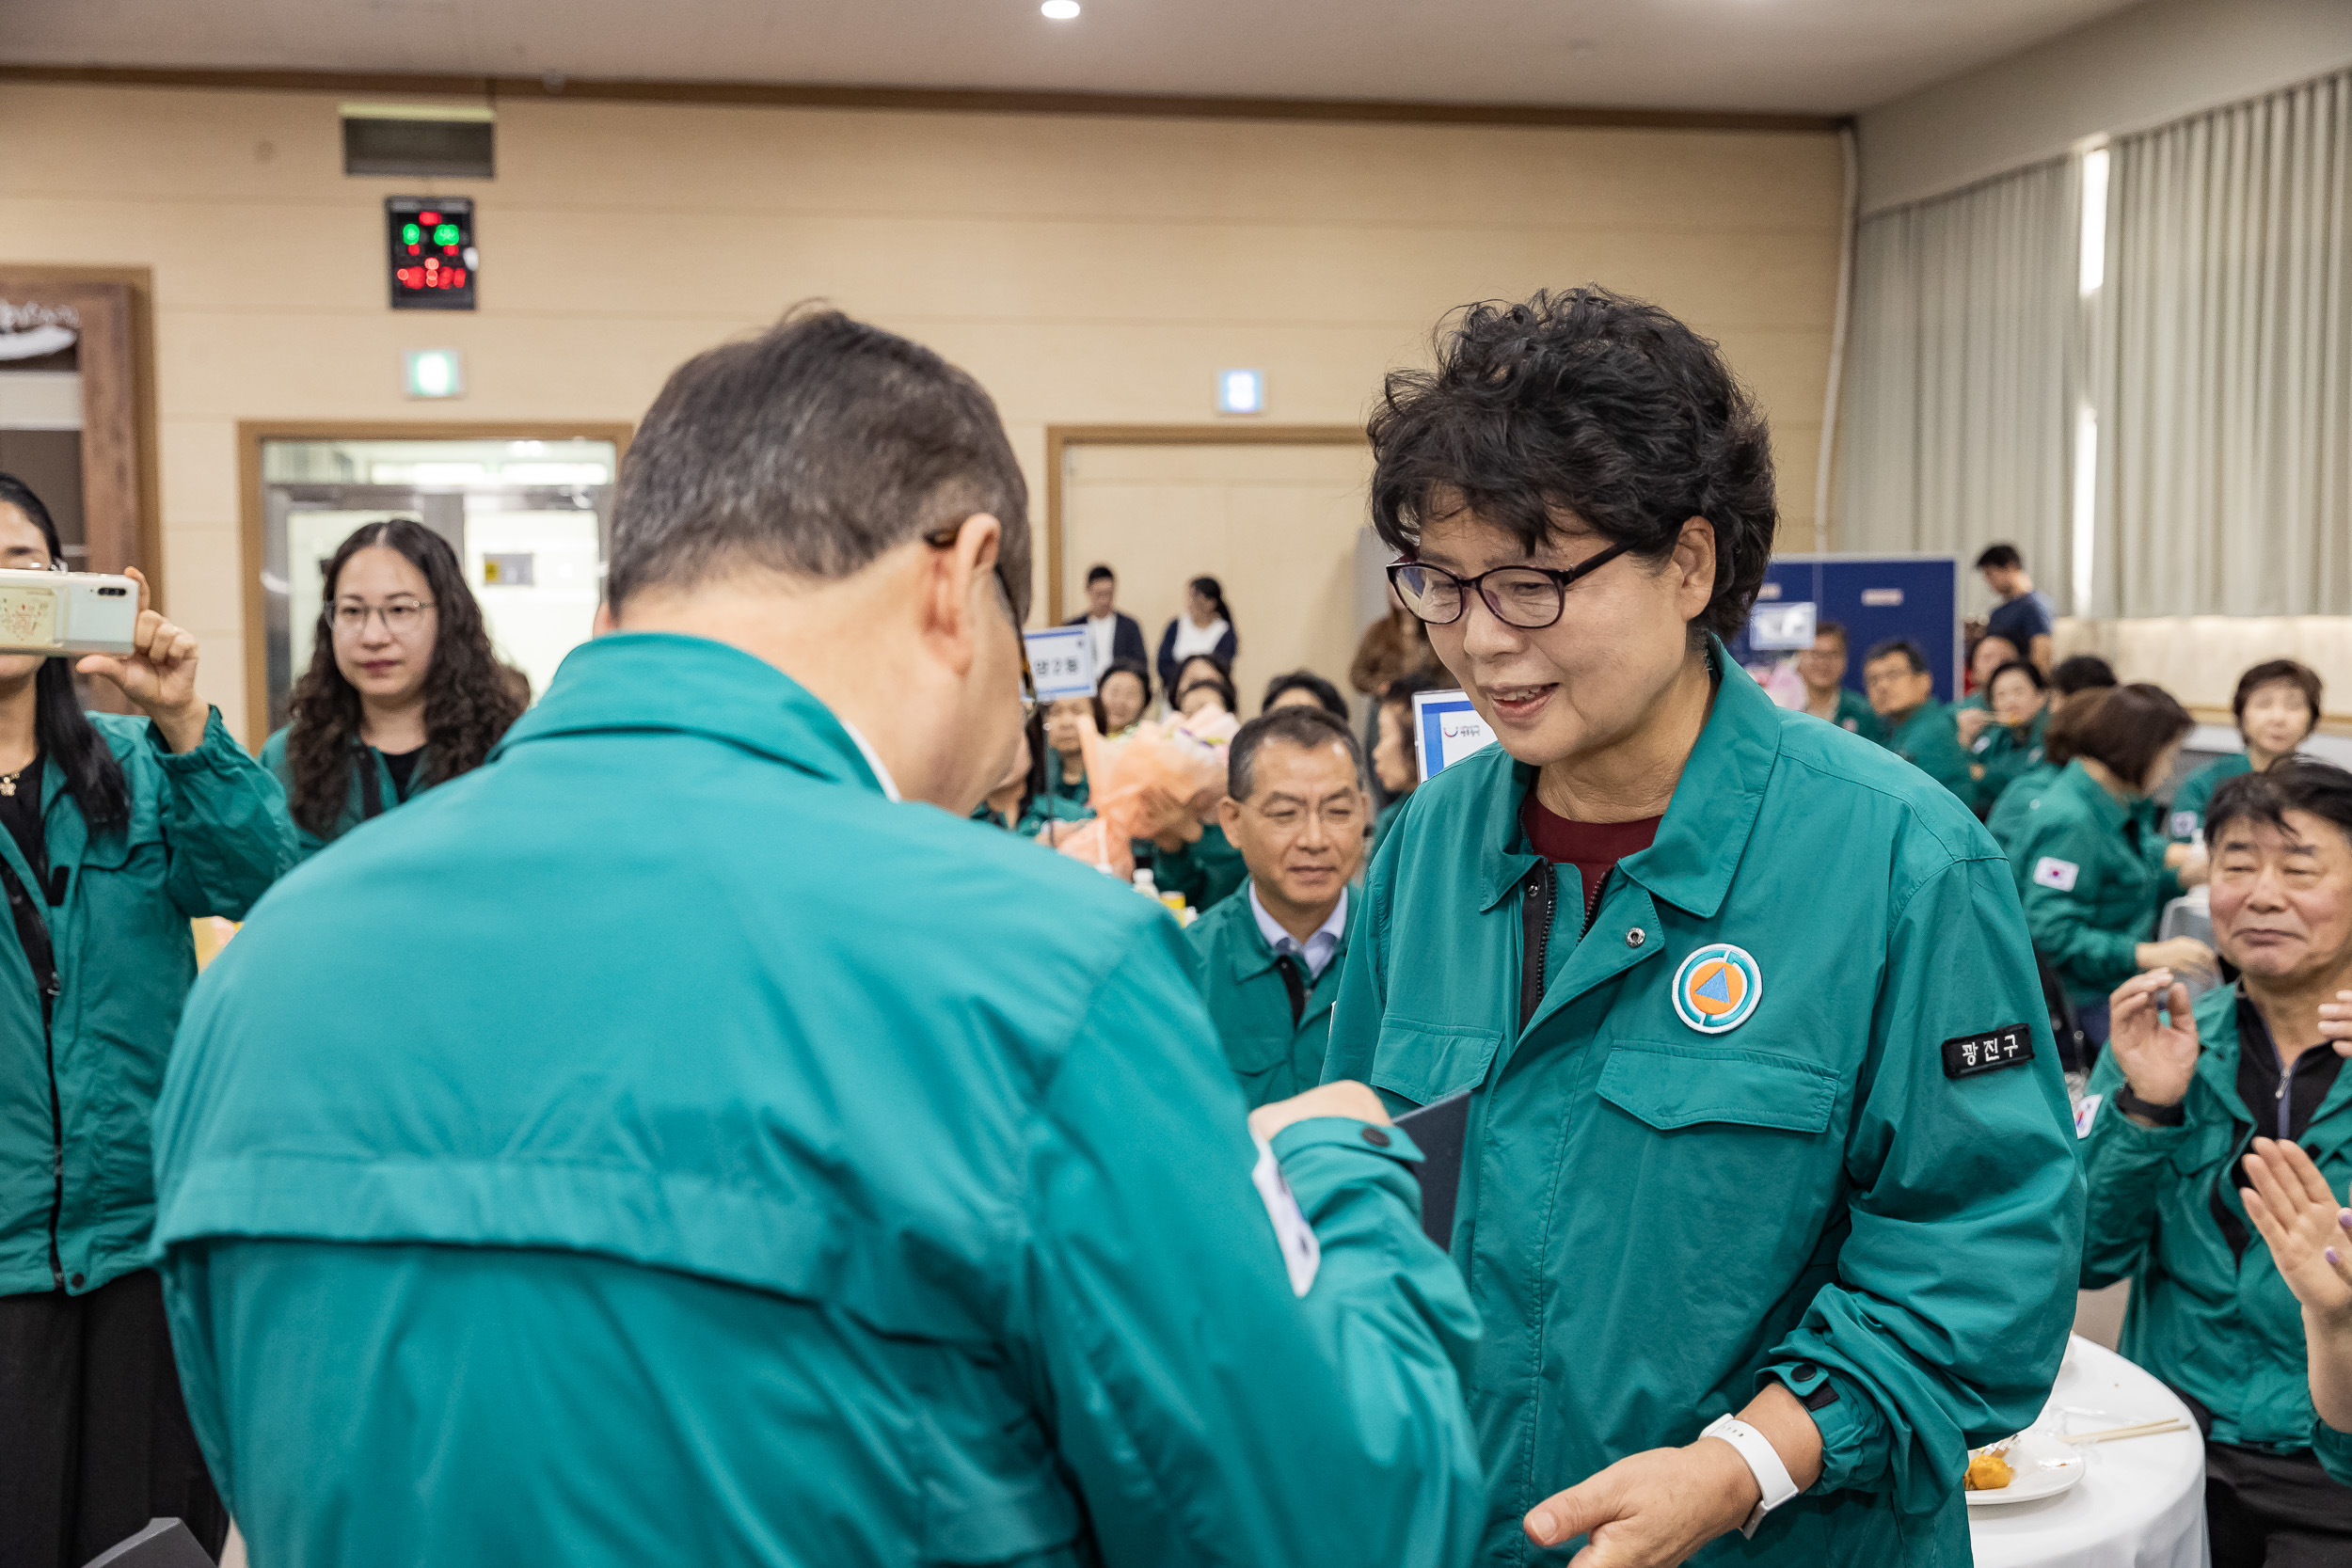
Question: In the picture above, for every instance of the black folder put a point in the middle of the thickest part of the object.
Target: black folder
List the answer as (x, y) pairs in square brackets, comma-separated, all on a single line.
[(1438, 1130)]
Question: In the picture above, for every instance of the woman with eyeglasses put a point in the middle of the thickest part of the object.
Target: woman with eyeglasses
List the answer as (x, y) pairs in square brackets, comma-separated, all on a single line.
[(1767, 1196), (120, 829), (403, 691)]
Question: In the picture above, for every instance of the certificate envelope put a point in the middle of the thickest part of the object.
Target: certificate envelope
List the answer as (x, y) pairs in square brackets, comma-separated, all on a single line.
[(1438, 1130)]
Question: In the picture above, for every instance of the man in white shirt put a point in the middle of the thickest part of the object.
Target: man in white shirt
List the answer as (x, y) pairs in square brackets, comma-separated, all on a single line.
[(1110, 634), (1269, 964)]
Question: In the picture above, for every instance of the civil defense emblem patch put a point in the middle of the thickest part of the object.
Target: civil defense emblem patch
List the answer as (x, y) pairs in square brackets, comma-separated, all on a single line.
[(1717, 988)]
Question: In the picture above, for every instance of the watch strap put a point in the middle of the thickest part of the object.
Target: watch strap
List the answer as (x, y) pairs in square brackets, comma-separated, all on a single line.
[(2173, 1114), (1772, 1476)]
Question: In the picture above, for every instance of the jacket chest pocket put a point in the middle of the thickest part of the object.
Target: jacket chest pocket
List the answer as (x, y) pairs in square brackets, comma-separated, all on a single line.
[(1425, 1062), (1733, 1151)]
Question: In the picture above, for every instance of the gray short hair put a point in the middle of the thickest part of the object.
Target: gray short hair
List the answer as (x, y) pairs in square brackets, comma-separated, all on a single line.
[(812, 449), (1309, 729)]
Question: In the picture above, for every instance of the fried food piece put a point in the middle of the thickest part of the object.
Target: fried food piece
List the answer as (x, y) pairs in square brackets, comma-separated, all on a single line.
[(1989, 1472)]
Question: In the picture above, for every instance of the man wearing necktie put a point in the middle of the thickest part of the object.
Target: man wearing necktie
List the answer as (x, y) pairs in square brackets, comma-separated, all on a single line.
[(1268, 964)]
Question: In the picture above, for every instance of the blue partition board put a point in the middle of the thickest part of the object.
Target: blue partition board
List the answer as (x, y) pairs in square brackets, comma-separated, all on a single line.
[(1876, 598)]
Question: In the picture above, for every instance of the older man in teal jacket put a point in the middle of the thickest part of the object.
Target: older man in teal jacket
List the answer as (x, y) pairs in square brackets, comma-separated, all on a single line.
[(665, 1146), (1270, 961)]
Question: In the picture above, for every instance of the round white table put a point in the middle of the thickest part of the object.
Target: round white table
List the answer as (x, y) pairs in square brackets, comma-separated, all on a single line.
[(2142, 1501)]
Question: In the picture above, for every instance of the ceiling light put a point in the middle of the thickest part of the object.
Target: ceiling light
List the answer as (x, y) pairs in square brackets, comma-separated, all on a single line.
[(1059, 10)]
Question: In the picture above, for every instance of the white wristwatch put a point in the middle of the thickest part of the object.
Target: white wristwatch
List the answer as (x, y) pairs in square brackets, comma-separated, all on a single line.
[(1772, 1476)]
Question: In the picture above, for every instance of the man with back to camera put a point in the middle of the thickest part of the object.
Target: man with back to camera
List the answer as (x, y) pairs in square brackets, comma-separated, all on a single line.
[(1110, 635), (2024, 614), (544, 1177), (1269, 963), (1822, 667), (1919, 730)]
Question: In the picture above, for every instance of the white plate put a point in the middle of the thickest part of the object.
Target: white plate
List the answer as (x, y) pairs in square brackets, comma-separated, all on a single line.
[(2044, 1468)]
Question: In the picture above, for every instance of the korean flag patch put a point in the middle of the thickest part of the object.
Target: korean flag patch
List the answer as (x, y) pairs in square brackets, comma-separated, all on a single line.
[(2050, 871)]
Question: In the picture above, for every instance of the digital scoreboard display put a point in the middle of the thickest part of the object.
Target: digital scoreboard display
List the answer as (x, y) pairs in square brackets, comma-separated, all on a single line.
[(433, 255)]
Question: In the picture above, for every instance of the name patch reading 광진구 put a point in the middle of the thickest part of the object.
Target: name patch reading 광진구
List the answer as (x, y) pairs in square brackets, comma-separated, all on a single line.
[(1988, 1051)]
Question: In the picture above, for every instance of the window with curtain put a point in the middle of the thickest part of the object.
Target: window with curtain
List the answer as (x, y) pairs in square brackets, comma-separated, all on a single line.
[(2224, 359), (1956, 413)]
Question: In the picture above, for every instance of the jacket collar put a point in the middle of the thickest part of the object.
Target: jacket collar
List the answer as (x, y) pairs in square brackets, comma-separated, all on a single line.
[(2105, 810), (662, 681), (1705, 832), (1252, 955)]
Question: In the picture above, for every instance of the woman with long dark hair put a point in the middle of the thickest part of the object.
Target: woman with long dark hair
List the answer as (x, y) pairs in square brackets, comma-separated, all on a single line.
[(1206, 626), (120, 830), (403, 691)]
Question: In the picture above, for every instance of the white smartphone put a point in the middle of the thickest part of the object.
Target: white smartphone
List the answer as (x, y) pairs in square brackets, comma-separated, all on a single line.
[(59, 614)]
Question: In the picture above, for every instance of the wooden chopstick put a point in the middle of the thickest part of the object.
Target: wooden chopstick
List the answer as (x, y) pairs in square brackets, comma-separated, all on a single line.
[(2145, 1429)]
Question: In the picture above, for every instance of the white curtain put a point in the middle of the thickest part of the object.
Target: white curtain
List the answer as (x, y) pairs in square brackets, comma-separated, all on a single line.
[(1955, 421), (2224, 354)]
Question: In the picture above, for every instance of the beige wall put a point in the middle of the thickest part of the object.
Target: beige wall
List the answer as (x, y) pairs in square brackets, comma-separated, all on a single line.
[(1086, 270), (2139, 67)]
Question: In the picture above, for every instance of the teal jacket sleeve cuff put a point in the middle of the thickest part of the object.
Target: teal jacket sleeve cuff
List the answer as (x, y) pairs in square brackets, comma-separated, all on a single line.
[(1361, 1138), (2334, 1450), (218, 750), (1854, 1433), (225, 823)]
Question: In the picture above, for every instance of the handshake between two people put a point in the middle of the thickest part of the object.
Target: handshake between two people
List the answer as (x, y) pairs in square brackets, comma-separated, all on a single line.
[(1648, 1510)]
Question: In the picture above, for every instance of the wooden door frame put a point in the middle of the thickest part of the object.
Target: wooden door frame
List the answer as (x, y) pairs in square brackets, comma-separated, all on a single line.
[(116, 356), (253, 548), (1059, 438)]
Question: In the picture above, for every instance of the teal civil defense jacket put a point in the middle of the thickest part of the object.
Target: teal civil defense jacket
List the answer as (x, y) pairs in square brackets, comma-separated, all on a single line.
[(2091, 870), (207, 834), (2187, 820), (1855, 715), (2006, 756), (356, 798), (1207, 871), (1789, 1109), (2208, 1312), (2018, 800), (546, 1179), (1272, 1056), (1929, 739)]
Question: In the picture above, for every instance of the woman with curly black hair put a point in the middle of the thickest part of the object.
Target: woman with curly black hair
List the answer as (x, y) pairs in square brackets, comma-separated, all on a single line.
[(1763, 1113), (403, 691)]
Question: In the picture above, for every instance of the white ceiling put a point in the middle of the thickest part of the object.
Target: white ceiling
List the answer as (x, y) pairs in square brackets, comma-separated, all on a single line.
[(1818, 57)]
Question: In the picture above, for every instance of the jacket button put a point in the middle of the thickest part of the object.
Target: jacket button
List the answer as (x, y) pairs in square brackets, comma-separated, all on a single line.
[(75, 1281), (1804, 1372), (1635, 936), (1378, 1139)]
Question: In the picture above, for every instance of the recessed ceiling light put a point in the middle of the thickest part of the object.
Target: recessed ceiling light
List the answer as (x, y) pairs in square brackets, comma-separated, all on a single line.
[(1059, 10)]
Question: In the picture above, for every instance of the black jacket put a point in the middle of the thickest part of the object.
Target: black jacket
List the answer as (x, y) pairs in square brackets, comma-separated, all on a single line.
[(1127, 638)]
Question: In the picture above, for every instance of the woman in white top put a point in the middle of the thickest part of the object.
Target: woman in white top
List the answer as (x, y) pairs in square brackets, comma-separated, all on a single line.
[(1205, 627)]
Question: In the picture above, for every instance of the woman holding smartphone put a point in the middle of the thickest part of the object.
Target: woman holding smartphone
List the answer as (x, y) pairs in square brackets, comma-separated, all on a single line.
[(1769, 1197), (120, 830)]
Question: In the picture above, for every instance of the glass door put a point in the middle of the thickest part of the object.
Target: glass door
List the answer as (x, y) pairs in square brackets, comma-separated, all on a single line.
[(529, 521)]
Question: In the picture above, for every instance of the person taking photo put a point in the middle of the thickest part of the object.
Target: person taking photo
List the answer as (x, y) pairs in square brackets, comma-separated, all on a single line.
[(120, 830)]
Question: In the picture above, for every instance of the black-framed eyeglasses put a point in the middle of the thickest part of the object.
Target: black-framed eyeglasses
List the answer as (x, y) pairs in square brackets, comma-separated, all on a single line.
[(944, 539), (1528, 597)]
